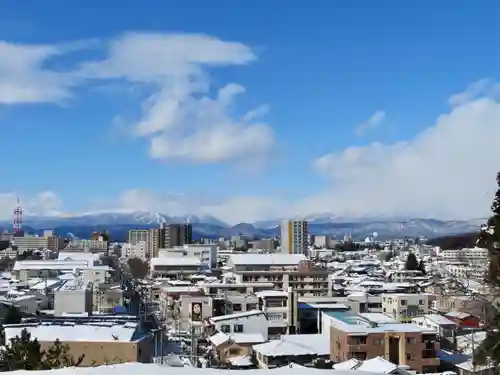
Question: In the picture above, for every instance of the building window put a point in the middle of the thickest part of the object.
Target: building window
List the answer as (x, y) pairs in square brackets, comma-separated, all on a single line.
[(409, 357), (421, 302), (236, 306), (238, 328), (251, 306), (403, 302), (225, 328)]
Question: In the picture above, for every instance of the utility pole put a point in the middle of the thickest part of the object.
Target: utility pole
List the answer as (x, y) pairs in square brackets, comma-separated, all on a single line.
[(162, 339)]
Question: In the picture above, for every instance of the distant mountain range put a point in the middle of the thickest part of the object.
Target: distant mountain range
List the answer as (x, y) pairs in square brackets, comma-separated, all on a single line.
[(119, 223)]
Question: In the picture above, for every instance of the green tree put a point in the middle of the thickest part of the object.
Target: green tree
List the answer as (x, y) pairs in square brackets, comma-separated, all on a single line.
[(421, 267), (21, 353), (489, 238), (58, 356), (411, 262), (24, 353), (12, 315), (138, 268)]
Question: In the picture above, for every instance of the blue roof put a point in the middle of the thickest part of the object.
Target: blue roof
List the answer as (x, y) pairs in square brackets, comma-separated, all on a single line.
[(454, 358), (120, 309), (305, 306)]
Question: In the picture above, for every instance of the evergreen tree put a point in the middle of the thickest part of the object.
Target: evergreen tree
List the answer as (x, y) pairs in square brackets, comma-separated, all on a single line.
[(24, 353), (58, 356), (489, 238), (21, 353), (12, 315), (421, 267), (411, 262)]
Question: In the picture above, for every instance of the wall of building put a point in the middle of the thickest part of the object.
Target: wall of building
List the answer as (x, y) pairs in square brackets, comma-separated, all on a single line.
[(101, 353), (251, 324)]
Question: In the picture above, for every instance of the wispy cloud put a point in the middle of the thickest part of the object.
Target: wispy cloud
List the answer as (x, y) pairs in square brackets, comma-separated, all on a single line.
[(180, 117), (375, 120)]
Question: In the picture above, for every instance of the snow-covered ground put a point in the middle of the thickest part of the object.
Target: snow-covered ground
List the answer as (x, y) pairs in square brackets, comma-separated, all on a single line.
[(153, 369)]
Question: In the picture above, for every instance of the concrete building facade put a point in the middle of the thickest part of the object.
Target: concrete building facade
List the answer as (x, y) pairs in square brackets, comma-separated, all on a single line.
[(294, 237)]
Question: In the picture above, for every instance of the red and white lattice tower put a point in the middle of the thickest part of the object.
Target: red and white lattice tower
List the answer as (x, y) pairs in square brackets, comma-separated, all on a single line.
[(17, 219)]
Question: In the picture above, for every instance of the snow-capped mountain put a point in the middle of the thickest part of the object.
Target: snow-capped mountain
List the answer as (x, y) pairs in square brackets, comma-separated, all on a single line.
[(209, 226)]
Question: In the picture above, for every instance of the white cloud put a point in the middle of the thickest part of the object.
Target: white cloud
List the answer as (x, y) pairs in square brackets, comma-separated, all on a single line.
[(375, 120), (45, 203), (24, 78), (181, 119), (446, 171), (481, 88)]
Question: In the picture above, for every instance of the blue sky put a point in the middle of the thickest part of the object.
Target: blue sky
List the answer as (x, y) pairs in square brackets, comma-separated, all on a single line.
[(346, 107)]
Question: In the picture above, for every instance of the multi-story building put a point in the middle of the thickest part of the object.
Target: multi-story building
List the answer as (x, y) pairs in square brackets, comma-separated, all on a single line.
[(73, 297), (474, 255), (87, 246), (178, 235), (137, 235), (473, 271), (48, 241), (280, 309), (174, 267), (206, 253), (137, 250), (324, 242), (404, 306), (284, 270), (294, 237), (166, 236), (366, 337)]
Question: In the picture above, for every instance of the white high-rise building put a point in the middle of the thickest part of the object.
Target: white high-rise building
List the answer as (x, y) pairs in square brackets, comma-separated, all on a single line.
[(294, 237)]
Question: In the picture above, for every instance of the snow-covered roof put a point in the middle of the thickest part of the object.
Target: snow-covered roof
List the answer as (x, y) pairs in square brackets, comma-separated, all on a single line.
[(238, 338), (238, 315), (271, 293), (288, 345), (377, 364), (76, 332), (88, 257), (439, 319), (50, 265), (347, 365)]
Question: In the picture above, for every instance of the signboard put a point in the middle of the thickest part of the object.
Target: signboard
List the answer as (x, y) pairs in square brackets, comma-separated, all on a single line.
[(196, 312)]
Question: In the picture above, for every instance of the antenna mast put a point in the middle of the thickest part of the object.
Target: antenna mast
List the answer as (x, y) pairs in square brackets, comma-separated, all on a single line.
[(17, 219)]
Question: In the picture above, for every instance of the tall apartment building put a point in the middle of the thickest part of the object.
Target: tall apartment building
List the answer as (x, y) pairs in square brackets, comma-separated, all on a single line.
[(178, 235), (294, 236), (154, 239), (166, 236)]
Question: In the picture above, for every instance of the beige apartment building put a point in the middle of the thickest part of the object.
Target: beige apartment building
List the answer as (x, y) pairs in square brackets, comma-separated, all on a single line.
[(285, 271), (359, 337)]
